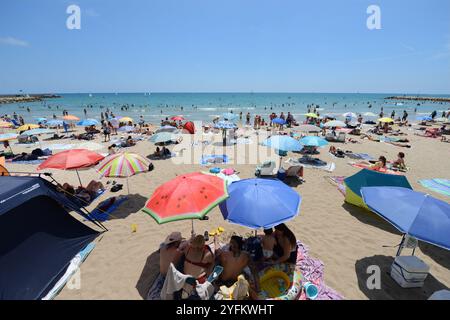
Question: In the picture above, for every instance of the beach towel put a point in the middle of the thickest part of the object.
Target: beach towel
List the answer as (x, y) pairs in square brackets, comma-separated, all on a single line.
[(175, 281), (74, 265), (312, 271), (155, 290), (213, 159), (359, 156), (338, 181), (329, 167), (59, 146), (39, 161), (441, 186), (100, 214)]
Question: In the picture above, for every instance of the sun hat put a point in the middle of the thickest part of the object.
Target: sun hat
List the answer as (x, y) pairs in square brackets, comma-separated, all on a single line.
[(173, 237)]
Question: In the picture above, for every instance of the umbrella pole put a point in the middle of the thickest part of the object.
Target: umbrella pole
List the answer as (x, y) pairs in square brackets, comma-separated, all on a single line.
[(400, 247), (79, 178), (128, 186), (192, 229)]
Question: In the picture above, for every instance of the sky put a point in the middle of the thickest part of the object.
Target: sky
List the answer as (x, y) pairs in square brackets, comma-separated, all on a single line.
[(225, 46)]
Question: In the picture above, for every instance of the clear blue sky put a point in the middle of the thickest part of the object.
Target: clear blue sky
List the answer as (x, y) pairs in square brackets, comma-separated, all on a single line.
[(225, 46)]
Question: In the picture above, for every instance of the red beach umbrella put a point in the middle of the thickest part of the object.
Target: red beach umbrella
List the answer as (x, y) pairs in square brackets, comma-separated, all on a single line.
[(72, 160), (177, 118), (189, 196)]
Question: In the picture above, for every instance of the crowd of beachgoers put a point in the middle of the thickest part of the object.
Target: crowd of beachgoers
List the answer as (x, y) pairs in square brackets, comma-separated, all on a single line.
[(202, 258)]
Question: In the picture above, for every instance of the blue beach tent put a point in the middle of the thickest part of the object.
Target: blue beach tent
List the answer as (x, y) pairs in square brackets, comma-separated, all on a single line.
[(38, 237)]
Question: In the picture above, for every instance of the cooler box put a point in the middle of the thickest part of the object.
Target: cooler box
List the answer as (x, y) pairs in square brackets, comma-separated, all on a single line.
[(409, 271)]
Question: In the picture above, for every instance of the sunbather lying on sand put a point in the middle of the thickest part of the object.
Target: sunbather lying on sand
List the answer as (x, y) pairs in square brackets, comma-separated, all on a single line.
[(378, 165), (88, 193)]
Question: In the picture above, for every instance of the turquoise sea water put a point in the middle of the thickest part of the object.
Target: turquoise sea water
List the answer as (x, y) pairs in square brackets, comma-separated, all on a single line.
[(205, 106)]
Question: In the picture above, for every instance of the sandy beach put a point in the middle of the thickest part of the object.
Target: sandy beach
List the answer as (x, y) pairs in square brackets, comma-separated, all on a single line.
[(345, 238)]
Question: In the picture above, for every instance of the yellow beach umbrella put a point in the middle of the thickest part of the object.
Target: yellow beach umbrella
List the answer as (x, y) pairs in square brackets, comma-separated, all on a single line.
[(311, 115), (126, 119), (27, 126), (71, 117), (386, 119)]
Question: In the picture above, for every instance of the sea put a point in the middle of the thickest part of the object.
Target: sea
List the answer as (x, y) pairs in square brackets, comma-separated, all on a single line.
[(207, 106)]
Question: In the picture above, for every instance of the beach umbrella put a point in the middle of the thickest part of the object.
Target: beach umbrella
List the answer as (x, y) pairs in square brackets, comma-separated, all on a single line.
[(126, 129), (74, 159), (4, 124), (71, 117), (386, 119), (414, 213), (424, 118), (229, 116), (282, 143), (335, 123), (311, 115), (349, 115), (123, 165), (27, 126), (8, 136), (225, 125), (260, 203), (188, 196), (313, 141), (41, 119), (162, 137), (126, 119), (177, 118), (166, 129), (88, 122), (54, 123), (279, 121), (308, 128), (369, 114), (38, 131)]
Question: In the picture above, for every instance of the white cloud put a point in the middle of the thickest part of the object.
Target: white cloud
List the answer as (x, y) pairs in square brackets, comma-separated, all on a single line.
[(10, 41)]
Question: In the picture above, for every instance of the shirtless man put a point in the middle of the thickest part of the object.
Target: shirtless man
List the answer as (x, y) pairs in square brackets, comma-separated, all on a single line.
[(169, 252), (233, 261)]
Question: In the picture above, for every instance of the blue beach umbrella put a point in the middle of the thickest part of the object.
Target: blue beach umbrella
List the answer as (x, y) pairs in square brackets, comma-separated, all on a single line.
[(424, 118), (279, 121), (260, 203), (162, 137), (87, 122), (41, 119), (411, 212), (229, 116), (54, 122), (225, 125), (313, 141), (34, 132), (283, 143)]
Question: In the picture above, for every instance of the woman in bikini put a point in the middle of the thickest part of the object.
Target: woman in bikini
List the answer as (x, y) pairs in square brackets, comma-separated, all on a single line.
[(198, 259), (286, 247)]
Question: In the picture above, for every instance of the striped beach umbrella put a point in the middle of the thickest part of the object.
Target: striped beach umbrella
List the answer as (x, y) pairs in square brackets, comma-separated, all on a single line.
[(123, 165)]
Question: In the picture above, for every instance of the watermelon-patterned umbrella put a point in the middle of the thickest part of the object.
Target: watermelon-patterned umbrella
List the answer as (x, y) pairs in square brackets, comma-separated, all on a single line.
[(123, 165), (189, 196)]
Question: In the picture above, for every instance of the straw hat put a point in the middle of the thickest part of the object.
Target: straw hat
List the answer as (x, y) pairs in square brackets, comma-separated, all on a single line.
[(173, 237)]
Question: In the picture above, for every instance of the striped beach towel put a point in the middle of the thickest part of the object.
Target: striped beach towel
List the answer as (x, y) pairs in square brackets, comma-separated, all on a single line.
[(441, 186)]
